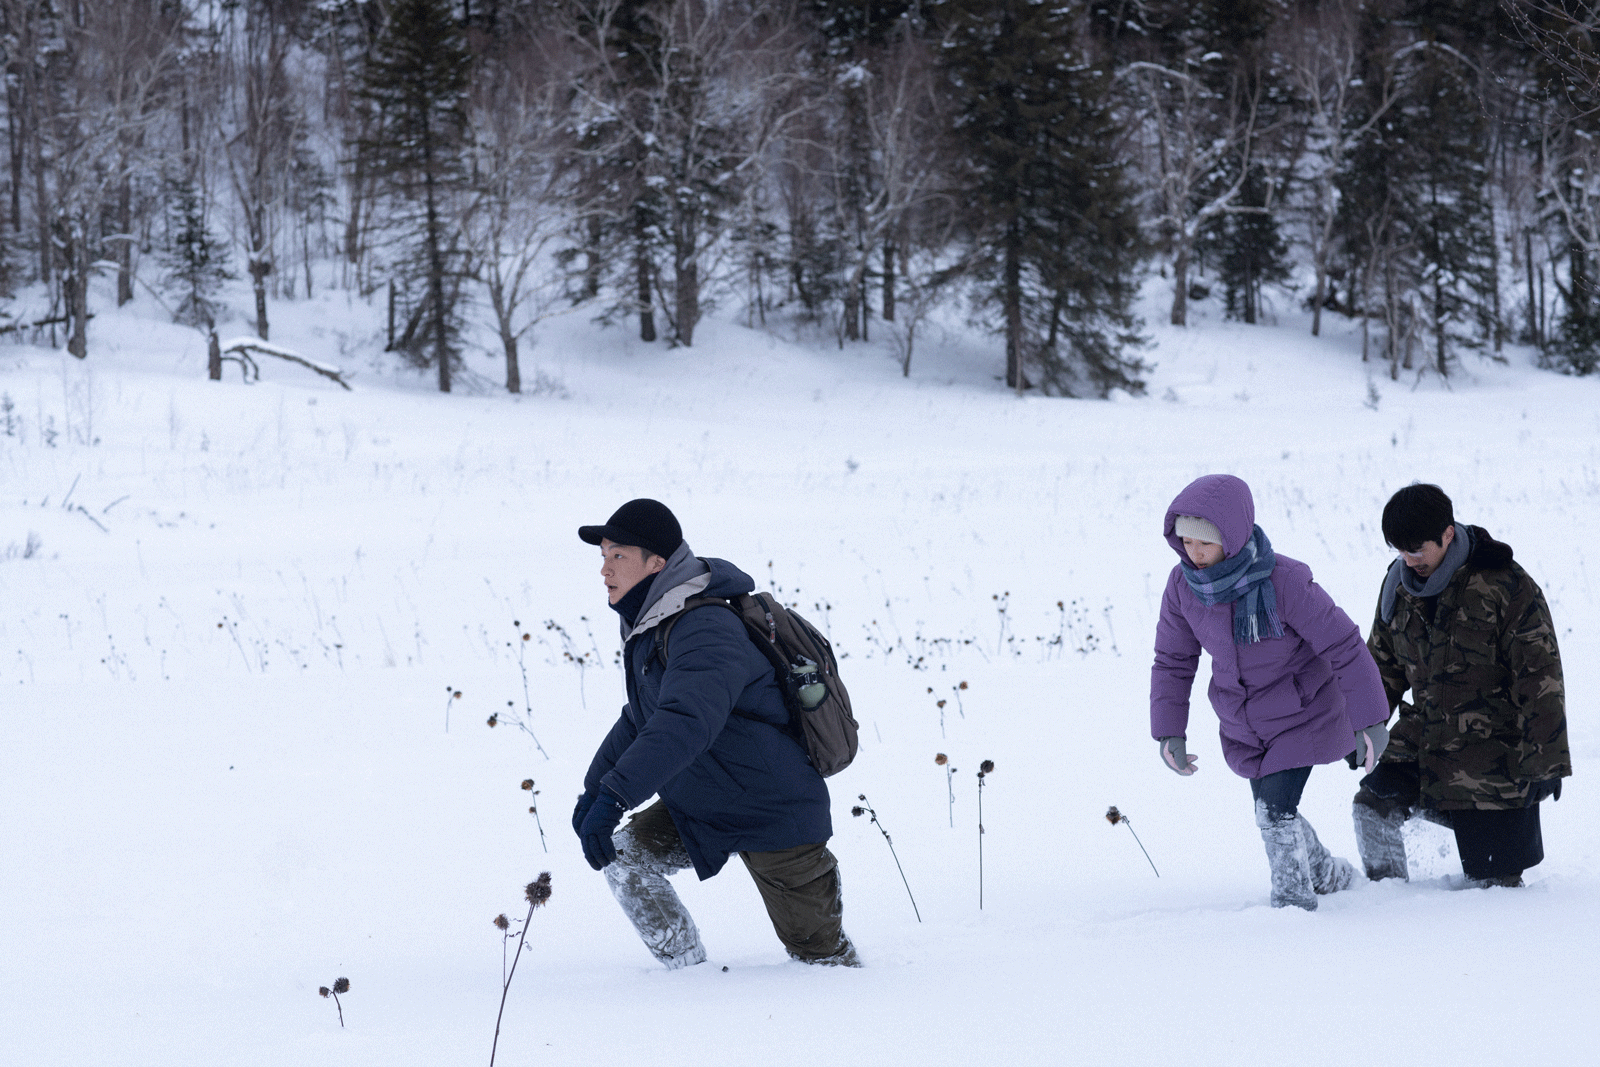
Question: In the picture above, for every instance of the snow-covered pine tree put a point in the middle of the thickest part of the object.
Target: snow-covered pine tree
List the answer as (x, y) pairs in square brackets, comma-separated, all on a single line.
[(1248, 250), (416, 79), (1053, 238), (617, 233), (195, 262), (1415, 213)]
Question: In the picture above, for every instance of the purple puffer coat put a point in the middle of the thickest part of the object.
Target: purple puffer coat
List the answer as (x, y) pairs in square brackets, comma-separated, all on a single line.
[(1290, 701)]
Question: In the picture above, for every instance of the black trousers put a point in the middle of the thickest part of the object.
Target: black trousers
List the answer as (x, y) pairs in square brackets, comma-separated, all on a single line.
[(1493, 844)]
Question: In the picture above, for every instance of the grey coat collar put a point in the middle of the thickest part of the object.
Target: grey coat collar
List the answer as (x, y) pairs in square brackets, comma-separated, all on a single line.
[(1402, 576), (684, 576)]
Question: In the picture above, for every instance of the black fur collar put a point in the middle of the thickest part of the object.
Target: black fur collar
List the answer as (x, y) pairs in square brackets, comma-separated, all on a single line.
[(1487, 553)]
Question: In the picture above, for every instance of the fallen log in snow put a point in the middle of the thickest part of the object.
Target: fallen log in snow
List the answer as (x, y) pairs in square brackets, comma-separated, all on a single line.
[(241, 350)]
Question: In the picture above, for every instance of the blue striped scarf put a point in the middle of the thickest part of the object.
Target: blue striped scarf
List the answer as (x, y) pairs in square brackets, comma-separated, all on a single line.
[(1246, 578)]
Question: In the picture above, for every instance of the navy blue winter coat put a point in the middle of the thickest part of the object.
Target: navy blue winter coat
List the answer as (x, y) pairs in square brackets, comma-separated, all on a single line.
[(732, 782)]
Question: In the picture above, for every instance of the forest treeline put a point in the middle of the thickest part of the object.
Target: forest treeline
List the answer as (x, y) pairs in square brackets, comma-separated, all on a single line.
[(1431, 167)]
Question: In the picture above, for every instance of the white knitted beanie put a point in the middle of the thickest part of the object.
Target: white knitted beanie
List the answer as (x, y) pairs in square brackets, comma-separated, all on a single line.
[(1199, 529)]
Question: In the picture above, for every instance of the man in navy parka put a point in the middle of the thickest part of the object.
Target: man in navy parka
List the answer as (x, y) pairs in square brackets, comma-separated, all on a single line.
[(706, 730)]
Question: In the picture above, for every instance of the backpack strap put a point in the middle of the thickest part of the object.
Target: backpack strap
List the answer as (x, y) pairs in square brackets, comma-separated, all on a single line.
[(765, 638), (688, 606)]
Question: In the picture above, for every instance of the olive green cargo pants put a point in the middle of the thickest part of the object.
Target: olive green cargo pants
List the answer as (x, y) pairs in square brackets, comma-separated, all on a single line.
[(799, 886)]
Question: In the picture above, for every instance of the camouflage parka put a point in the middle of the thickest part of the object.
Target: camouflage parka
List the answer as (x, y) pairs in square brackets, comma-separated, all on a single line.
[(1488, 716)]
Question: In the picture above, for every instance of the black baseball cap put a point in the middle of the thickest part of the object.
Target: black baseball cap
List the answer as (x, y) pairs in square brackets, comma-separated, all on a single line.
[(647, 524)]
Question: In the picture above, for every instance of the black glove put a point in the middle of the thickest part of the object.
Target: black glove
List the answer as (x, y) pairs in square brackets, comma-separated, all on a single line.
[(585, 802), (1549, 789), (598, 826)]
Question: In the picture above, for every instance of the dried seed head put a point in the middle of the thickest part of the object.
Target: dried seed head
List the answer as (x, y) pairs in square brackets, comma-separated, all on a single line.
[(456, 695), (322, 990), (526, 636), (527, 783), (940, 758), (986, 767), (941, 703), (963, 685), (501, 922), (341, 985), (494, 720), (538, 890), (863, 797), (1113, 816), (858, 810)]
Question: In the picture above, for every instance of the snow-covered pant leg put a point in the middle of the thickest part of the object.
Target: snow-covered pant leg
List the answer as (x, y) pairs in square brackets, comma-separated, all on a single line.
[(649, 849), (1277, 797), (1289, 858), (1387, 798), (801, 889), (1379, 840), (1329, 873)]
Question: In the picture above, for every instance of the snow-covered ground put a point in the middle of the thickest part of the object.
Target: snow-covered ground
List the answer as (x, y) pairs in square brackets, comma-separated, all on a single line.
[(232, 619)]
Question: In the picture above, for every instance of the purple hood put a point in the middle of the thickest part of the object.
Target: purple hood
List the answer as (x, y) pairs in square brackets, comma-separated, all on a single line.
[(1283, 702), (1222, 500)]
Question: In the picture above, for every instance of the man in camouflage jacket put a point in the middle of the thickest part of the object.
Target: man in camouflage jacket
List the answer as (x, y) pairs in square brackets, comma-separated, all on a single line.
[(1484, 740)]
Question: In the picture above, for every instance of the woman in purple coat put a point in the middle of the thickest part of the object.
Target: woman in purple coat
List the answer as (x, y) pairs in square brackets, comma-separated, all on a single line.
[(1291, 679)]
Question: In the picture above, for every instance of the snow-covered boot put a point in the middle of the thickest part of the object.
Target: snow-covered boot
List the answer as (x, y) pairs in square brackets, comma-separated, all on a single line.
[(1288, 857), (845, 957), (638, 880), (1378, 838), (1329, 873)]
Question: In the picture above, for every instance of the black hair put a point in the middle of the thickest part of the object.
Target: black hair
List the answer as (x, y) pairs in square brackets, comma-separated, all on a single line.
[(1417, 514)]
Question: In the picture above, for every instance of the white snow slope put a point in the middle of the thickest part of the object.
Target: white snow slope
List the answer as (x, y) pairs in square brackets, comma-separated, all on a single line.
[(232, 618)]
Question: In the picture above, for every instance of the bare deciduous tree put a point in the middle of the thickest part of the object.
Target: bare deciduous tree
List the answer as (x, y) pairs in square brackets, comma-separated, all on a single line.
[(715, 94), (523, 187), (1193, 132), (1323, 49)]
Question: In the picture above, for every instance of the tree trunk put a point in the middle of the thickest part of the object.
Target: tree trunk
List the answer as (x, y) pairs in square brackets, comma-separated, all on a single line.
[(15, 141), (852, 309), (441, 340), (1578, 281), (866, 304), (1440, 330), (260, 266), (1180, 285), (686, 273), (41, 206), (888, 281), (77, 293), (352, 229), (1494, 279), (213, 357), (641, 267), (688, 302), (1533, 307), (258, 277), (592, 256), (125, 239), (513, 371), (1011, 288)]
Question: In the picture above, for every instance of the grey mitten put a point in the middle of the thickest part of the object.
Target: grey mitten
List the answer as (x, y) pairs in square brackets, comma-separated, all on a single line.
[(1174, 755), (1370, 743)]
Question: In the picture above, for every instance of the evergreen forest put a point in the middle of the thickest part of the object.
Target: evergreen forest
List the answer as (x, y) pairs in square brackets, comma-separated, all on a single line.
[(1428, 168)]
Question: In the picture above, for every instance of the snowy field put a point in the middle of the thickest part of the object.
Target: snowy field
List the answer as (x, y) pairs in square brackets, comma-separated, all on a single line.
[(233, 618)]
